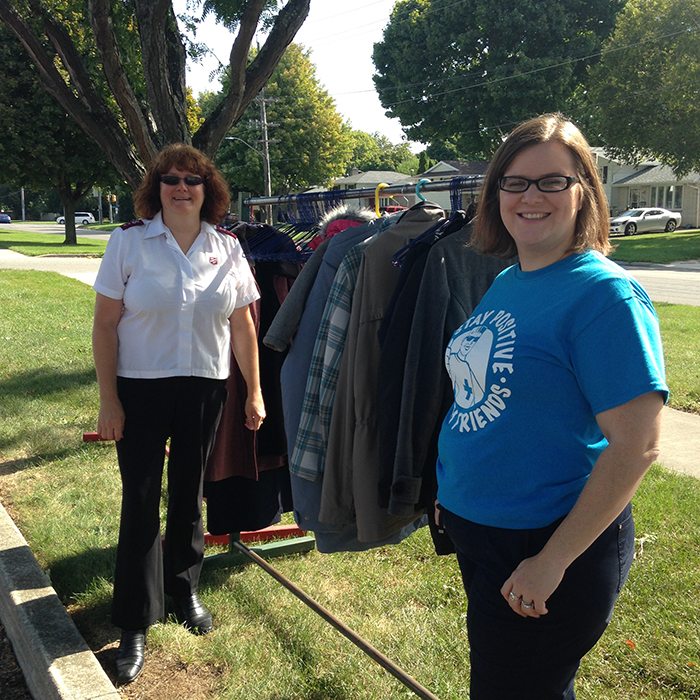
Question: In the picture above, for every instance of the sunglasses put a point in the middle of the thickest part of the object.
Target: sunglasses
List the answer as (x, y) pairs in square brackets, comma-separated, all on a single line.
[(190, 180)]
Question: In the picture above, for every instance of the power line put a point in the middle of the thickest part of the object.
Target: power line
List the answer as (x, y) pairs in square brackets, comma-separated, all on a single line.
[(568, 61), (633, 96), (333, 38), (497, 80)]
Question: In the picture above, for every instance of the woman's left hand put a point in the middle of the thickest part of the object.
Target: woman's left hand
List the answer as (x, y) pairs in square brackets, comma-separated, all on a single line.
[(632, 431), (254, 411), (530, 585)]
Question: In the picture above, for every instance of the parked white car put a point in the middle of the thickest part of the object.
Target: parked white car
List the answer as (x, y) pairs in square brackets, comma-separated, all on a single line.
[(81, 217), (645, 221)]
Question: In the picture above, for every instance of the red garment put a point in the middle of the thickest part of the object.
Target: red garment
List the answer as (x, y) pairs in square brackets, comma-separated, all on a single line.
[(334, 227), (237, 450)]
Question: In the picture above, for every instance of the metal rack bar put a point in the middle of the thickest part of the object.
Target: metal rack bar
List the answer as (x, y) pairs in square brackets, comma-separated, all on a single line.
[(367, 648), (405, 188)]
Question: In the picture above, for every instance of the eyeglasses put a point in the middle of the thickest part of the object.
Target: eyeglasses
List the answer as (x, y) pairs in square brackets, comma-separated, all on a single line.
[(190, 180), (551, 183)]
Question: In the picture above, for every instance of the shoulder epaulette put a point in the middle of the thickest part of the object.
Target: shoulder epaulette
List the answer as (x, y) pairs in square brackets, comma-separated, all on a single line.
[(222, 229), (131, 224)]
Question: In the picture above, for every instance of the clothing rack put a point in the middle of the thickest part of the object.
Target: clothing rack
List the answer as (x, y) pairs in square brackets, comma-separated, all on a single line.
[(355, 638), (311, 206), (464, 183)]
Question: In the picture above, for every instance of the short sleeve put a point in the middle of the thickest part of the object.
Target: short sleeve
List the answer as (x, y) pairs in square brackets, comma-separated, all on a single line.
[(112, 277), (619, 356), (246, 288)]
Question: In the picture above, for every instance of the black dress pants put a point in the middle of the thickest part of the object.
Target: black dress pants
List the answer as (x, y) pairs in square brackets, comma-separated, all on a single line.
[(186, 410)]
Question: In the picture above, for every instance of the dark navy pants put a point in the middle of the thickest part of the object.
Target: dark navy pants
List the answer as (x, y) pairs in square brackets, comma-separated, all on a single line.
[(186, 410), (516, 658)]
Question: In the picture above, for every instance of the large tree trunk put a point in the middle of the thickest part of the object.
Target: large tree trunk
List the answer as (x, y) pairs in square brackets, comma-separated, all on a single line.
[(86, 107), (164, 120), (70, 196)]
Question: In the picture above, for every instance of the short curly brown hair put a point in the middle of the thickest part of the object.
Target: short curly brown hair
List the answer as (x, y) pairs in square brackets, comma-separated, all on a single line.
[(183, 157), (593, 220)]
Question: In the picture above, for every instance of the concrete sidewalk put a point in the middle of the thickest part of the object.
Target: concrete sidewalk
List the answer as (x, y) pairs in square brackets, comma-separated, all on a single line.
[(83, 269), (56, 661)]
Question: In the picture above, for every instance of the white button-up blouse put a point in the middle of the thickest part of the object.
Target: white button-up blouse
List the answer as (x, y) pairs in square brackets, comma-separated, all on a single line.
[(177, 306)]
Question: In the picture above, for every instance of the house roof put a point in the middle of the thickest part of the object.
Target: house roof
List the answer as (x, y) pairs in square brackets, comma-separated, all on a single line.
[(601, 151), (657, 175), (372, 178), (457, 168)]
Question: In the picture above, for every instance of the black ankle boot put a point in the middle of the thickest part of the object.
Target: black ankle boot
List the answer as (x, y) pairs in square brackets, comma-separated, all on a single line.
[(191, 613), (130, 655)]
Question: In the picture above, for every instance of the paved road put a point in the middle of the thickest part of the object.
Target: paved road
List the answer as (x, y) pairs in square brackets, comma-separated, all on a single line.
[(675, 283), (51, 227)]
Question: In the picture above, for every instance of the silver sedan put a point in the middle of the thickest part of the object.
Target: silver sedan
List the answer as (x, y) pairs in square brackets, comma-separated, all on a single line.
[(645, 221)]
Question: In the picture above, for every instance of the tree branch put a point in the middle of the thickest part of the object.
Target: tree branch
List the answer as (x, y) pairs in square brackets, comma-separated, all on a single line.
[(288, 22), (88, 109), (163, 56), (246, 83), (102, 27)]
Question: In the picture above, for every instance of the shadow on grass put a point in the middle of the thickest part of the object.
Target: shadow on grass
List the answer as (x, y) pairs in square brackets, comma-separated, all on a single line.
[(75, 576), (44, 381), (22, 390), (17, 465), (261, 610)]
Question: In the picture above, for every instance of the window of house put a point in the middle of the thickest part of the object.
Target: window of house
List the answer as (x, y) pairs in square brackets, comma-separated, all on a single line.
[(678, 199), (652, 199), (669, 197)]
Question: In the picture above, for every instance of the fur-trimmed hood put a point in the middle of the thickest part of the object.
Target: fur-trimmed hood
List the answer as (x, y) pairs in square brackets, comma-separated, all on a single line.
[(345, 212)]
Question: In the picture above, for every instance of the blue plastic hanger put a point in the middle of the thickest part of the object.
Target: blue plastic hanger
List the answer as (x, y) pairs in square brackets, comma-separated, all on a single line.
[(418, 184)]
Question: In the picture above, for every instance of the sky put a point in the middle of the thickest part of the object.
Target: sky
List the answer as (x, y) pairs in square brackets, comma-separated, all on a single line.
[(340, 35)]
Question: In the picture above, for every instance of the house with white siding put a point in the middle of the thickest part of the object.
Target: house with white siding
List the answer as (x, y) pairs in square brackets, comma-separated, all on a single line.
[(649, 184)]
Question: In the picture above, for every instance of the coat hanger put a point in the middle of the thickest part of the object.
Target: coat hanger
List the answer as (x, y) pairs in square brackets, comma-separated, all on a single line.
[(376, 197), (418, 184)]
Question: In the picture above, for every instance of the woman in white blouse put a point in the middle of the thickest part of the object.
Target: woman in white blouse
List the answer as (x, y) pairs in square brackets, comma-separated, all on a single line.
[(172, 297)]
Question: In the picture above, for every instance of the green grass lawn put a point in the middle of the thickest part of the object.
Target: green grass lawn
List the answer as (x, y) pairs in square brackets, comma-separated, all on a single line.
[(30, 243), (404, 600), (653, 247), (657, 247)]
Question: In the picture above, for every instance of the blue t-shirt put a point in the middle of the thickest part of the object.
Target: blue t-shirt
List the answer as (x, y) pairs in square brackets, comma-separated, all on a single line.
[(542, 354)]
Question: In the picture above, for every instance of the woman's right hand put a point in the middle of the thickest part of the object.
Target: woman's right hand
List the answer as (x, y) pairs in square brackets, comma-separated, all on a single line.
[(110, 421)]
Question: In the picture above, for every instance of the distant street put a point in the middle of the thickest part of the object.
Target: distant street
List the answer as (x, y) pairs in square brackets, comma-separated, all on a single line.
[(675, 283), (51, 227)]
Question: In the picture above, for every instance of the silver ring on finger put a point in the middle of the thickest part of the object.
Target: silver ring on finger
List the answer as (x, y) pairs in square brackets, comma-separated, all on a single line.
[(512, 597), (527, 606)]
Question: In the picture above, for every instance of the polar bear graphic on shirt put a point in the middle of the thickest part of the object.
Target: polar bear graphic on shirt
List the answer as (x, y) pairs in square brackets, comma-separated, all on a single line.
[(467, 358)]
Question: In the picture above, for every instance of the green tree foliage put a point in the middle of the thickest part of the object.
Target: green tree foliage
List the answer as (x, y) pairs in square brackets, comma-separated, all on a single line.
[(469, 71), (308, 144), (117, 67), (424, 162), (41, 146), (376, 152), (646, 90)]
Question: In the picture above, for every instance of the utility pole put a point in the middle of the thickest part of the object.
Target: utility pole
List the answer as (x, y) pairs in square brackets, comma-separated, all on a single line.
[(266, 156), (98, 193)]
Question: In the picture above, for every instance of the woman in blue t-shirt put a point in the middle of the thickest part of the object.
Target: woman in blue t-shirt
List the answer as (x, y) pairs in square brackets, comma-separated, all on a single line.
[(559, 385)]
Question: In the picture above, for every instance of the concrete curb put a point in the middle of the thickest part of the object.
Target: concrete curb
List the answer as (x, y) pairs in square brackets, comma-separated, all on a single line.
[(56, 662)]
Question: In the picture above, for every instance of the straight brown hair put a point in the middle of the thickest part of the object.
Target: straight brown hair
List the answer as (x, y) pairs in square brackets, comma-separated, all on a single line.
[(593, 220)]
